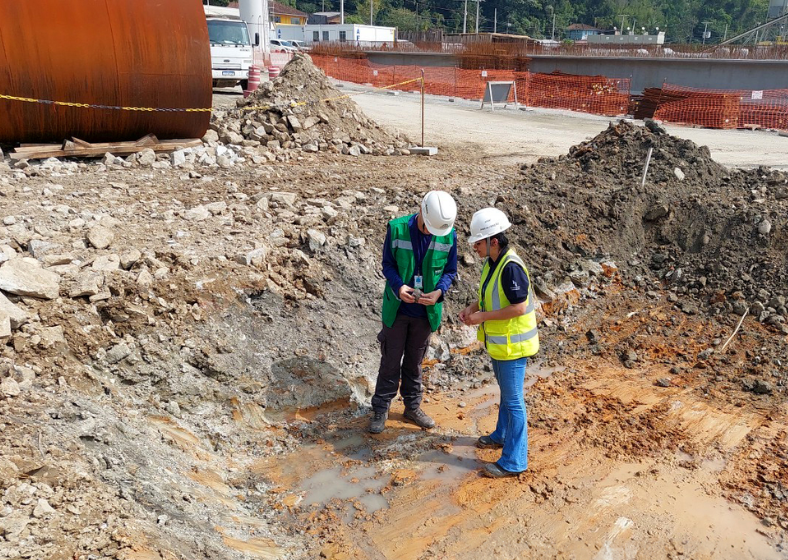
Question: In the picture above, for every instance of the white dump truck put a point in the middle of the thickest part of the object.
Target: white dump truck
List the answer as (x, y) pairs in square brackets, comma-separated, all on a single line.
[(231, 47)]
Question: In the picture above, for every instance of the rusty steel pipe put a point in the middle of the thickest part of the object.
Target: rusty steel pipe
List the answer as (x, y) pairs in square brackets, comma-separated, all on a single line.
[(129, 53)]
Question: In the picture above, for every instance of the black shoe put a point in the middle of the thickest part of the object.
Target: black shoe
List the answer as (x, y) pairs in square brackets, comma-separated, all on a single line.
[(486, 442), (492, 470), (419, 417), (378, 422)]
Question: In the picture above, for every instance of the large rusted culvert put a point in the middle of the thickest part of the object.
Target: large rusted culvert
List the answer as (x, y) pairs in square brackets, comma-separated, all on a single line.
[(128, 53)]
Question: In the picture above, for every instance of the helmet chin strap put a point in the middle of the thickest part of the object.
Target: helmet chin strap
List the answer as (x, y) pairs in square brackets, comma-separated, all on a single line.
[(488, 247)]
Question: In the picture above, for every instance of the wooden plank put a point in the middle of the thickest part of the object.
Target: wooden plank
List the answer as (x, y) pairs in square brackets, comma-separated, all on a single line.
[(78, 142), (70, 149)]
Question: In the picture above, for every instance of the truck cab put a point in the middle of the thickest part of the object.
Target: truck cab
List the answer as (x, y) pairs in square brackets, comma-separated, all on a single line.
[(231, 52)]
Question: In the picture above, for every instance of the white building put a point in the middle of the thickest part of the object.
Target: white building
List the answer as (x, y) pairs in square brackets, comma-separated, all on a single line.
[(632, 39), (361, 35)]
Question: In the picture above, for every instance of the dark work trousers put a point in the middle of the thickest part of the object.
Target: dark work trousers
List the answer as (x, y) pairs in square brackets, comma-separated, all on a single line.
[(402, 348)]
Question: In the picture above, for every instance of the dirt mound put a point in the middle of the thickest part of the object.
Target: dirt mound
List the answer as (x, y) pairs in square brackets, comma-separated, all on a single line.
[(715, 237), (302, 110)]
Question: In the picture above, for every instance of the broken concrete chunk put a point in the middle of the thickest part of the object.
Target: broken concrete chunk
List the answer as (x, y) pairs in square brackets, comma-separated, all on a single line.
[(197, 214), (87, 284), (118, 352), (129, 258), (25, 277), (100, 237), (15, 314), (678, 173), (106, 263), (9, 388)]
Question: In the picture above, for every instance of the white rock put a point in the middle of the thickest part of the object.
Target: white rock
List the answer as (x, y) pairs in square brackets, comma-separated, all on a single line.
[(100, 237), (197, 214), (9, 220), (42, 509), (678, 173), (287, 198), (15, 314), (76, 223), (106, 263), (211, 137), (216, 207), (315, 239), (146, 157), (178, 158), (224, 162), (25, 277), (253, 258), (9, 387), (109, 159), (87, 284), (764, 227), (118, 352), (144, 278), (129, 258)]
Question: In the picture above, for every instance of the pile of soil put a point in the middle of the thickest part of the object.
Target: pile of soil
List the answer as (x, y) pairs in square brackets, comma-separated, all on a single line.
[(715, 237), (302, 110)]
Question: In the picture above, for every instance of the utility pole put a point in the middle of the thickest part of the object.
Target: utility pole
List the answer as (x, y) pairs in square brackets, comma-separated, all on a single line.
[(705, 27), (342, 12), (370, 12), (465, 18), (724, 37), (495, 24), (478, 2), (622, 22), (552, 35)]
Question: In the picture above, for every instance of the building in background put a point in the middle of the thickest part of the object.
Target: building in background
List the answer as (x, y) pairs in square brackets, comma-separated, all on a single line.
[(287, 15), (581, 31), (631, 39), (323, 18)]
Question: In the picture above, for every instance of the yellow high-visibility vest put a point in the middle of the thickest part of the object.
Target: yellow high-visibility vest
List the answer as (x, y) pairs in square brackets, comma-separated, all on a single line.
[(507, 339)]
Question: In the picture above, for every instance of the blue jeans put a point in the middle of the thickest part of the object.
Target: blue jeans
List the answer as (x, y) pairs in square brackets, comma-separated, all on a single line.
[(512, 427)]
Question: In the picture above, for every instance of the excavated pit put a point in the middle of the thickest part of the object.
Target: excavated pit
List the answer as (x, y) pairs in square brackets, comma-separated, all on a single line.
[(207, 398)]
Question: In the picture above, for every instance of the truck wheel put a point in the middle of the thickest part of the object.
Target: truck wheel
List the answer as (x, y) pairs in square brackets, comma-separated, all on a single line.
[(244, 84)]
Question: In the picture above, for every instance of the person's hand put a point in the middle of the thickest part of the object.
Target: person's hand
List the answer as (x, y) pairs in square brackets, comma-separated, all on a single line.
[(465, 313), (430, 298), (475, 318), (406, 294)]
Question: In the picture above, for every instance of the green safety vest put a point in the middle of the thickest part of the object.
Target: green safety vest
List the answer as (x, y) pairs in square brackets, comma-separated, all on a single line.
[(431, 269), (507, 339)]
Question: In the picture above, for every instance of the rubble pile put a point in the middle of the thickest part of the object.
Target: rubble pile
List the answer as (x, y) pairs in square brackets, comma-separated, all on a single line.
[(715, 238), (301, 110)]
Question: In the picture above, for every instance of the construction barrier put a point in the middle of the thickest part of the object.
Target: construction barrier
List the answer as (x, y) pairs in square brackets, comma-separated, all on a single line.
[(724, 108), (589, 94)]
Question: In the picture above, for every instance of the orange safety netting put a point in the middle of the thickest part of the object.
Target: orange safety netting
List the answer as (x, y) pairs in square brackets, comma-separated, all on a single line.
[(591, 94), (725, 108)]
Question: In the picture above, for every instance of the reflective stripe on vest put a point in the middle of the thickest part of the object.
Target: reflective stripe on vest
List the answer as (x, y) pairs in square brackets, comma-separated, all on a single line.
[(402, 244), (442, 247)]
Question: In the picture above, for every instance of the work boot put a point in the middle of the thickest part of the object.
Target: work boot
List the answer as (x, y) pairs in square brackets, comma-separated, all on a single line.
[(378, 421), (419, 417)]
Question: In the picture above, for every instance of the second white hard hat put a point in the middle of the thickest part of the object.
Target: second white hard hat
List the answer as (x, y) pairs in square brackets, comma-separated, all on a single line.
[(438, 210), (486, 223)]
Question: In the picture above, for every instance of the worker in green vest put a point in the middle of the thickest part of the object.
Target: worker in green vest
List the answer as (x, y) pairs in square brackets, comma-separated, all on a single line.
[(506, 322), (419, 263)]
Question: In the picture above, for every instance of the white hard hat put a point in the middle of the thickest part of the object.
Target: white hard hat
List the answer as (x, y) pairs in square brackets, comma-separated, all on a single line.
[(486, 223), (438, 210)]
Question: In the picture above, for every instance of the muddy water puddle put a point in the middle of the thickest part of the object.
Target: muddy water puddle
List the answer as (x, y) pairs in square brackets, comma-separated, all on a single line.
[(353, 468)]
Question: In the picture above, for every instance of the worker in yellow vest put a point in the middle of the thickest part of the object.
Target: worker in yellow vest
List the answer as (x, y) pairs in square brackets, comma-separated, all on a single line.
[(506, 322)]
